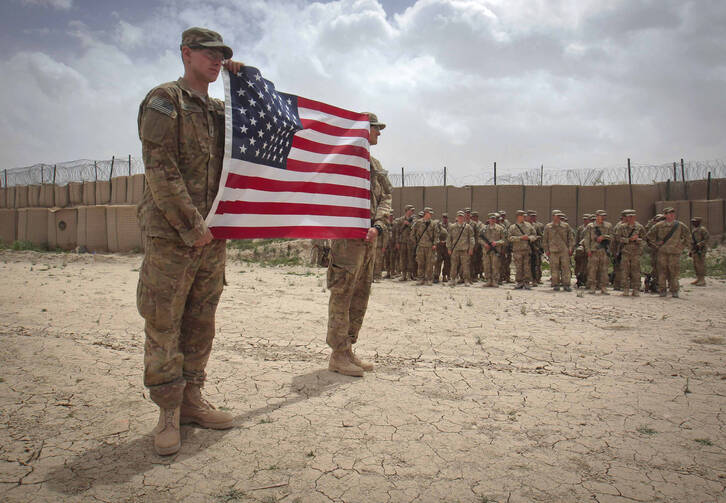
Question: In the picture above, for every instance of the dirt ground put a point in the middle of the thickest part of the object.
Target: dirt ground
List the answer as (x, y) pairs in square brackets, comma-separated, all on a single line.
[(479, 395)]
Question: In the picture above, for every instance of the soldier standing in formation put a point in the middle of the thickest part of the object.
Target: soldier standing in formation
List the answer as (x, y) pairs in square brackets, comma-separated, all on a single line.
[(539, 229), (381, 245), (669, 237), (699, 242), (476, 258), (442, 267), (615, 253), (182, 275), (403, 242), (390, 259), (580, 254), (350, 273), (520, 235), (629, 236), (506, 263), (598, 235), (423, 239), (492, 238), (559, 243), (460, 246)]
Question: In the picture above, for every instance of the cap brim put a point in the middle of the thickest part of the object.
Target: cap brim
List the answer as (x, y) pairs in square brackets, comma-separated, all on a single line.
[(226, 50), (379, 125)]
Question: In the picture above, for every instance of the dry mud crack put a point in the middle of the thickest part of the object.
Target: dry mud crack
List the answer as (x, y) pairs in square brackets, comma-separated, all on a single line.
[(479, 394)]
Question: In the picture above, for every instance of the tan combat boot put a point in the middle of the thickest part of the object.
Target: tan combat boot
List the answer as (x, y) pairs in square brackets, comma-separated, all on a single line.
[(636, 292), (366, 366), (626, 292), (700, 282), (341, 363), (167, 439), (195, 409), (604, 291)]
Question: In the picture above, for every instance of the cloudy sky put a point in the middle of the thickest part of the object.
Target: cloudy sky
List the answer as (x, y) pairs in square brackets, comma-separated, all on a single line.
[(461, 83)]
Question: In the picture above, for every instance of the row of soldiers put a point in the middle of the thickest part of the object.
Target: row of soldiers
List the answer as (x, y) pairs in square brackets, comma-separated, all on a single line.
[(432, 250)]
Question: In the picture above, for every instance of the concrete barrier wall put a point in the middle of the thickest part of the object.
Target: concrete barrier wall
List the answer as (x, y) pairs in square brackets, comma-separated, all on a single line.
[(33, 196), (61, 196), (8, 225), (119, 190), (92, 234), (124, 234), (47, 195), (75, 193), (33, 226), (21, 196), (62, 228), (135, 189), (537, 198), (3, 197), (103, 192), (712, 213), (89, 193)]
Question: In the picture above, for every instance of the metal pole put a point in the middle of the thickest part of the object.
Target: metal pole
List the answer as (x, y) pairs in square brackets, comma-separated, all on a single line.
[(683, 178), (495, 172), (630, 184), (6, 177), (708, 186), (55, 168), (403, 182), (541, 174), (675, 174), (41, 175), (129, 164), (444, 176), (95, 171), (110, 175)]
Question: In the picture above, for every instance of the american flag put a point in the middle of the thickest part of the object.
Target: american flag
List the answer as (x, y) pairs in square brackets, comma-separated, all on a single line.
[(293, 167)]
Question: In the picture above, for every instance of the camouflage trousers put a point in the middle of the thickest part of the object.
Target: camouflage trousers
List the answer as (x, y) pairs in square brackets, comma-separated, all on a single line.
[(424, 259), (350, 275), (177, 295), (442, 266), (560, 267), (597, 269), (476, 261), (490, 267), (537, 257), (378, 267), (505, 274), (619, 279), (406, 259), (630, 267), (581, 265), (669, 269), (522, 266), (391, 263), (460, 258), (699, 265)]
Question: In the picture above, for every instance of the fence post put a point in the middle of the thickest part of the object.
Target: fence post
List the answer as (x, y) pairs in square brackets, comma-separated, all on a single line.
[(55, 168), (403, 184), (95, 171), (675, 174), (129, 164), (708, 186), (110, 175), (541, 174), (444, 176), (495, 172), (630, 184), (668, 190), (41, 174), (683, 178), (6, 177)]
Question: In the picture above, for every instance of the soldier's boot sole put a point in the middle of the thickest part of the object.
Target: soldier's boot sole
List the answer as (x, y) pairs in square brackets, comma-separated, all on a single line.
[(167, 437)]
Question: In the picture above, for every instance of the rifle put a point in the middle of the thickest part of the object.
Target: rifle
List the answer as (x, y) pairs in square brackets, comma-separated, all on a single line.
[(415, 248), (605, 245), (619, 256), (697, 247), (533, 252), (491, 246)]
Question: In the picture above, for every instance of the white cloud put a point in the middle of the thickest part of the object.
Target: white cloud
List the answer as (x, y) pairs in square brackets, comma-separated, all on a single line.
[(56, 4), (460, 82)]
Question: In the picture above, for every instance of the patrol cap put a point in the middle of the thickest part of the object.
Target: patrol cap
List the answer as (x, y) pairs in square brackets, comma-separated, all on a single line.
[(587, 216), (428, 210), (460, 213), (628, 213), (696, 219), (420, 213), (409, 207), (658, 216), (556, 212), (667, 210), (601, 212), (373, 119), (474, 213), (521, 212), (492, 215), (532, 213), (444, 214), (202, 38), (467, 210), (502, 212), (563, 217)]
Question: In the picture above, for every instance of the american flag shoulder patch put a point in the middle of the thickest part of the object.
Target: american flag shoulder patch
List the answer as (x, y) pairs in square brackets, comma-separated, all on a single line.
[(161, 105)]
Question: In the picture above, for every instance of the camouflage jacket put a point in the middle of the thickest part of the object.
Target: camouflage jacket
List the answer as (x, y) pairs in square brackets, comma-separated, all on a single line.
[(515, 236), (496, 235), (182, 142), (623, 234), (424, 233), (678, 241), (381, 195), (591, 235), (461, 237), (699, 239), (558, 238)]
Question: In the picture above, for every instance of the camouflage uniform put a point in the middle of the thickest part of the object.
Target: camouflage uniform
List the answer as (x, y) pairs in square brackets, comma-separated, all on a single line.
[(491, 258), (506, 262), (537, 257), (699, 246), (182, 137), (458, 244), (597, 260), (559, 242), (668, 253), (442, 266), (581, 255), (477, 256), (521, 252), (405, 250), (381, 245), (630, 251), (350, 272), (423, 240)]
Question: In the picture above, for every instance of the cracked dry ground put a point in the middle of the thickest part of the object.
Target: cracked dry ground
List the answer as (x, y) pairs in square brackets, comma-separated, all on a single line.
[(479, 395)]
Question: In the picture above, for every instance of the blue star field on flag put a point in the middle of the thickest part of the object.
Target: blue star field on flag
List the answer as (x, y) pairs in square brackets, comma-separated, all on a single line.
[(264, 120)]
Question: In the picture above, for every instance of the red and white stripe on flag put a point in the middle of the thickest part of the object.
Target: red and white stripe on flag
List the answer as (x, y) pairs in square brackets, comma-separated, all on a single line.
[(324, 192)]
